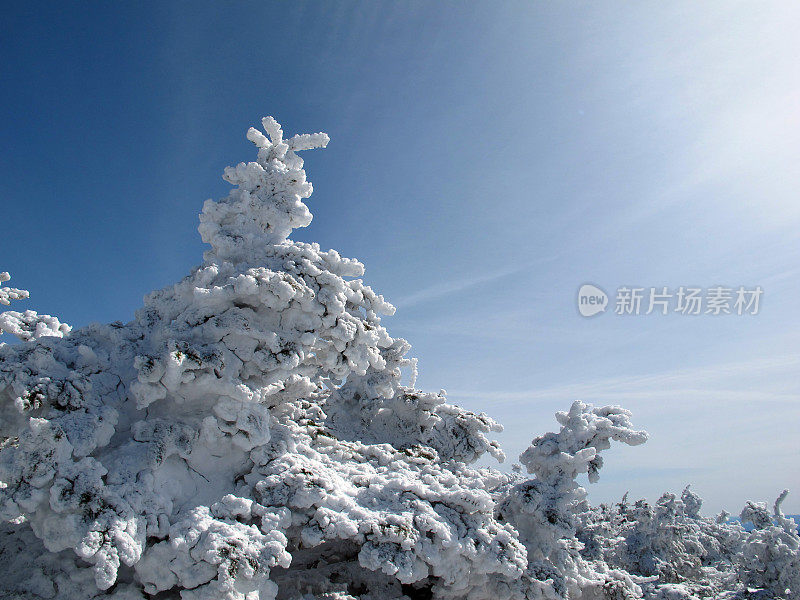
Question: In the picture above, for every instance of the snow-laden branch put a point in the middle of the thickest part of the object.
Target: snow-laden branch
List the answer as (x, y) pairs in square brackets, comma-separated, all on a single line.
[(7, 294), (27, 325)]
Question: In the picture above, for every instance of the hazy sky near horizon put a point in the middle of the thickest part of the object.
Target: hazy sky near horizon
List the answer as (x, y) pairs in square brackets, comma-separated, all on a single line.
[(486, 160)]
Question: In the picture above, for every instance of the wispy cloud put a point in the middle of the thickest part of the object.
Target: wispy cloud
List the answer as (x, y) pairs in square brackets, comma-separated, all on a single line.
[(721, 381), (451, 287)]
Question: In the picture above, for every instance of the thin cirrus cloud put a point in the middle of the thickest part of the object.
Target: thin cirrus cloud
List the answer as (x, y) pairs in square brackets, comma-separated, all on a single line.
[(720, 382), (447, 288), (454, 286)]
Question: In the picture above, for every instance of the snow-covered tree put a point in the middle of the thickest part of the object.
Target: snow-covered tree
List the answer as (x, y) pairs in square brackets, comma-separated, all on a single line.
[(248, 437)]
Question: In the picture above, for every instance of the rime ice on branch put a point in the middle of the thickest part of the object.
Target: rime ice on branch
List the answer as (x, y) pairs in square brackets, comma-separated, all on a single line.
[(7, 294), (27, 325), (247, 437)]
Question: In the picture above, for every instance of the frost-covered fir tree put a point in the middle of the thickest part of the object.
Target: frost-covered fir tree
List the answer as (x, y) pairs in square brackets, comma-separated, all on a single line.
[(247, 437)]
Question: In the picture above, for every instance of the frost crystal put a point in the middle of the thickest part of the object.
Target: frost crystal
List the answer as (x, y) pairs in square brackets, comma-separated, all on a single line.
[(247, 437)]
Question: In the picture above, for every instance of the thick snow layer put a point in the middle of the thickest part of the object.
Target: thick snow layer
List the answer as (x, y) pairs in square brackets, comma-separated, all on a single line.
[(247, 437)]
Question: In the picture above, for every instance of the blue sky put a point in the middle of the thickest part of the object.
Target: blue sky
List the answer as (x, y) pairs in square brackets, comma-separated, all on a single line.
[(486, 160)]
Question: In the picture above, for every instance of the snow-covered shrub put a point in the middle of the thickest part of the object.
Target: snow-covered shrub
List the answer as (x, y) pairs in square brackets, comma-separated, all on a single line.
[(689, 555), (543, 509), (664, 540), (770, 559), (247, 437)]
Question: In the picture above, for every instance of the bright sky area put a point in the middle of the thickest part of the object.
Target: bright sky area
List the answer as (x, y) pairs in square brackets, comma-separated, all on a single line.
[(486, 160)]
